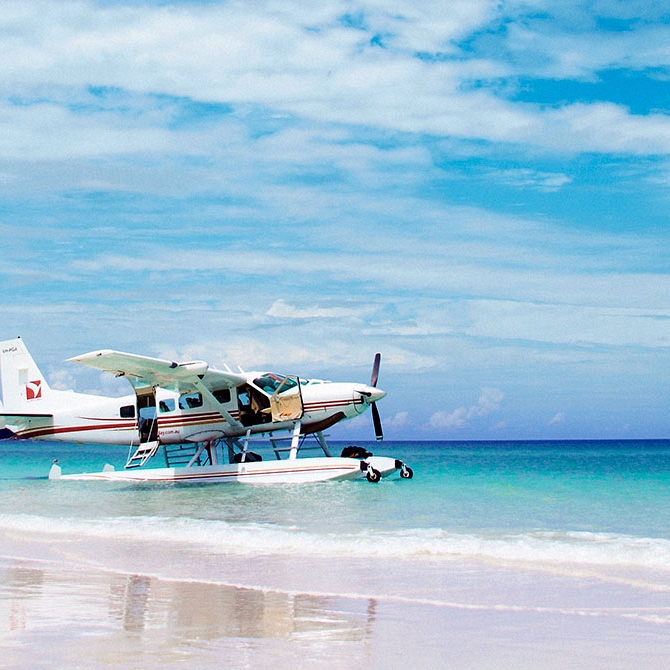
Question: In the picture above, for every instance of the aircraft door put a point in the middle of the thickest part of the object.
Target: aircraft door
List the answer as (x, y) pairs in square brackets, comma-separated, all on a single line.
[(146, 413), (253, 405), (286, 401)]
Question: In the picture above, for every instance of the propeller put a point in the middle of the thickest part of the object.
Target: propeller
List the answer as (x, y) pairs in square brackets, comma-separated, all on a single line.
[(375, 370), (376, 420)]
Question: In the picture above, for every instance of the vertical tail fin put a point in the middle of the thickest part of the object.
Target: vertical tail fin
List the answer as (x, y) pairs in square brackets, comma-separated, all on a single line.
[(22, 381)]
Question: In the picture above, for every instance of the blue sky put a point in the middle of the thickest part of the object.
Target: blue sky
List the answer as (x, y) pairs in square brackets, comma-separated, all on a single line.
[(477, 189)]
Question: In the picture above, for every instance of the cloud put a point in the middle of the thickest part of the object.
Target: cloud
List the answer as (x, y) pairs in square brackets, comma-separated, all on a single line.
[(546, 182), (570, 324), (387, 70), (606, 127), (398, 420), (564, 44), (489, 401), (280, 309), (558, 418), (47, 130), (456, 419)]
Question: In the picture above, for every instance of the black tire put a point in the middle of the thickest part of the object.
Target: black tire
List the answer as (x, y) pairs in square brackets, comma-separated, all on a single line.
[(373, 475), (406, 472)]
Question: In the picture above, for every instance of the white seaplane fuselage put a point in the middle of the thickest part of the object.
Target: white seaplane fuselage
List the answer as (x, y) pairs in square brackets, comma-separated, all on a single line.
[(78, 417), (202, 421)]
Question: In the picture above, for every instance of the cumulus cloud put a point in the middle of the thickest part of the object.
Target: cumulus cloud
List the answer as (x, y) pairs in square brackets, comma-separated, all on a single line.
[(398, 420), (489, 401)]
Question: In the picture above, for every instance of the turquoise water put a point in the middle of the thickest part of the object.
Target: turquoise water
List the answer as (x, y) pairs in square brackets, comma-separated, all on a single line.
[(573, 497)]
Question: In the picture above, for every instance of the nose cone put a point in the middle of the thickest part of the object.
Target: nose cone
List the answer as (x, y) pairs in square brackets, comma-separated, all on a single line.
[(371, 393)]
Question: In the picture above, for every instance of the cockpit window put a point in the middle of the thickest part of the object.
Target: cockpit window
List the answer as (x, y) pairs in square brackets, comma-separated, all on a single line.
[(270, 382)]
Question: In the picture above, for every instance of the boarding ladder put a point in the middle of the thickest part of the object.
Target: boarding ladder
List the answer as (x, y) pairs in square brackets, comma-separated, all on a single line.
[(142, 454)]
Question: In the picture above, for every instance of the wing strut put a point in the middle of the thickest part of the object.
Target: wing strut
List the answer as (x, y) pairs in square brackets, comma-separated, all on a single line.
[(210, 396), (295, 440), (321, 438)]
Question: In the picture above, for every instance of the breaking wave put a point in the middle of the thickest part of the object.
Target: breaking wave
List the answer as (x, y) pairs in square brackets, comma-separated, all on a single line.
[(251, 539)]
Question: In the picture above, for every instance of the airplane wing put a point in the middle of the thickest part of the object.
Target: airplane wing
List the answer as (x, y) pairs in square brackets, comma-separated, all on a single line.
[(145, 371)]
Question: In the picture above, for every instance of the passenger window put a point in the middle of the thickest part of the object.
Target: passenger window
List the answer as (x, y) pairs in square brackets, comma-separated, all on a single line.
[(222, 395), (190, 401), (127, 412), (167, 405)]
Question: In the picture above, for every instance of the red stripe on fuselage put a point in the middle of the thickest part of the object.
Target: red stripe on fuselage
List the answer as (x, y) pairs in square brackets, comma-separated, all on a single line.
[(44, 431)]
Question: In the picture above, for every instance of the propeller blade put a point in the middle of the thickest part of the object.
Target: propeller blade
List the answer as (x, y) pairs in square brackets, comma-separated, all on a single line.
[(377, 422), (375, 370)]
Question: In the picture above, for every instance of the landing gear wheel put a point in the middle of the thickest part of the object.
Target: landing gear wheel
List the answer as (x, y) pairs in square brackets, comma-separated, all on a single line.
[(406, 472), (373, 475)]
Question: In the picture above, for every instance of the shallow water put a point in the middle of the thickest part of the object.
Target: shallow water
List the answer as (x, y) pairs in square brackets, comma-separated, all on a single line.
[(496, 537)]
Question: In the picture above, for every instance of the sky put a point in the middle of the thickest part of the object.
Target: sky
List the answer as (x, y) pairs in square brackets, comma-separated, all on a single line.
[(479, 190)]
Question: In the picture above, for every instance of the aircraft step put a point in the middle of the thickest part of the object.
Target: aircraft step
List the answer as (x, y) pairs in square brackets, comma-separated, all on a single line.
[(143, 453)]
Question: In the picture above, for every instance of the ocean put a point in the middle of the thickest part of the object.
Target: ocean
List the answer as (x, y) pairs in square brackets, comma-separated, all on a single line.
[(495, 555)]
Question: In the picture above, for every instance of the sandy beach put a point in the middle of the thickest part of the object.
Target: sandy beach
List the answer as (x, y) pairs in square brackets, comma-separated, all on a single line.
[(52, 615)]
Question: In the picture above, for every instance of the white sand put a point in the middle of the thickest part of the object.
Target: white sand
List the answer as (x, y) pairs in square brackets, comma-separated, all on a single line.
[(54, 614)]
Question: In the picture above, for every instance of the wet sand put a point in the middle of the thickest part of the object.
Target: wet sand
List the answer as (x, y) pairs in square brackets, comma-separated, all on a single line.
[(53, 615)]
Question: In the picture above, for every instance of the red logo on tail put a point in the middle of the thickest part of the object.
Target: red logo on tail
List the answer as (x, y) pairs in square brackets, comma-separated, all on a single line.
[(34, 390)]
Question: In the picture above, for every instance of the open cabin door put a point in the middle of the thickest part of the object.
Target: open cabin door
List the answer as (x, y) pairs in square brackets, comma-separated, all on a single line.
[(146, 414), (286, 402), (147, 425)]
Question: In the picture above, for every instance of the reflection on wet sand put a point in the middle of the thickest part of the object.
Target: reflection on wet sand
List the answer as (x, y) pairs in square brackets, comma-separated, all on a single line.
[(210, 611), (53, 617), (144, 612), (18, 585)]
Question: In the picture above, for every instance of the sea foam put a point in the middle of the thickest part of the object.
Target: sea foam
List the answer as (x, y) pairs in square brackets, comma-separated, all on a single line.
[(420, 544)]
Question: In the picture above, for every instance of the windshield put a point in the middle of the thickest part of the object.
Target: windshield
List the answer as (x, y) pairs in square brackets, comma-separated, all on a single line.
[(270, 382)]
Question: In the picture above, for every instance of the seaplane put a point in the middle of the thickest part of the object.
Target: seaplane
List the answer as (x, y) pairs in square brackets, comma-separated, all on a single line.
[(202, 423)]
